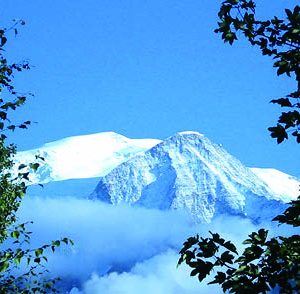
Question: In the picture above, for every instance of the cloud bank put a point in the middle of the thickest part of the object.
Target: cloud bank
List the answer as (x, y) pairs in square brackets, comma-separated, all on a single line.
[(156, 275), (121, 249)]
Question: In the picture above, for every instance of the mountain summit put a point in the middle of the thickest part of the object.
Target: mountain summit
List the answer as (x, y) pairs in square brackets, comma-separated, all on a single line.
[(187, 171), (86, 156)]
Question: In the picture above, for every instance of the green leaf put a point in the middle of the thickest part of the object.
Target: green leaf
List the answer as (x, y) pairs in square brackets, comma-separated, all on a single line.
[(242, 268), (227, 257), (3, 115), (34, 166), (56, 243), (3, 40), (11, 127), (15, 234), (4, 266), (21, 166), (220, 278), (230, 246), (283, 102), (194, 272), (279, 133), (38, 252)]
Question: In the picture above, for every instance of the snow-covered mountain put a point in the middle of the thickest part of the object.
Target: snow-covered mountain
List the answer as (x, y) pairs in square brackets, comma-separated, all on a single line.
[(84, 156), (186, 171), (281, 184)]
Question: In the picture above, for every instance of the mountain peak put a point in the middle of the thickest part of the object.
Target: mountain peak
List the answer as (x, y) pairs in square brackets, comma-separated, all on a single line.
[(185, 171), (188, 171), (186, 136), (84, 156), (187, 133)]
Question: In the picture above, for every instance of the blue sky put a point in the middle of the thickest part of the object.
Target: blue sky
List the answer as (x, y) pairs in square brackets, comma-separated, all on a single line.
[(146, 69)]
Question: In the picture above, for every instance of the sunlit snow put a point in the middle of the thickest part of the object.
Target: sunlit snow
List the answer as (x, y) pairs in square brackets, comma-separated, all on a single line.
[(85, 156), (134, 248), (284, 186)]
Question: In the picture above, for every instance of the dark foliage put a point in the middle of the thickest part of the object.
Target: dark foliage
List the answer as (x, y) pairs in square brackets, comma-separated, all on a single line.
[(22, 268), (266, 263), (277, 38)]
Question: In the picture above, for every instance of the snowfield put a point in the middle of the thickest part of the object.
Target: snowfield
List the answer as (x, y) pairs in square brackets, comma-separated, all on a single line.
[(185, 171), (129, 204)]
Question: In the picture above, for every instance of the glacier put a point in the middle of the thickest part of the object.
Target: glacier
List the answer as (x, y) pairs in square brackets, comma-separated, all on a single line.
[(80, 157), (183, 172)]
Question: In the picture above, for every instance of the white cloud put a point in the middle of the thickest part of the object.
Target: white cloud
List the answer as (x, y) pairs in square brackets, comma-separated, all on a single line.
[(106, 237), (121, 249), (157, 275)]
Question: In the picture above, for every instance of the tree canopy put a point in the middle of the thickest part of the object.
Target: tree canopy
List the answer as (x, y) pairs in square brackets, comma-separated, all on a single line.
[(277, 38), (265, 263), (22, 268)]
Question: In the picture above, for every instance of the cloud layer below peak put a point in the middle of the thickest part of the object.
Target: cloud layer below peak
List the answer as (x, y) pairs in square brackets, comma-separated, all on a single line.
[(120, 249)]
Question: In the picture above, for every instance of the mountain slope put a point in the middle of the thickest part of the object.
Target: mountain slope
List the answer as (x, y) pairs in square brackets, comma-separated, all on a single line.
[(187, 171), (283, 186), (85, 156)]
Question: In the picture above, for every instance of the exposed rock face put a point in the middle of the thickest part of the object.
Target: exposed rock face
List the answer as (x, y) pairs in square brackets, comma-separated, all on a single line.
[(187, 171)]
